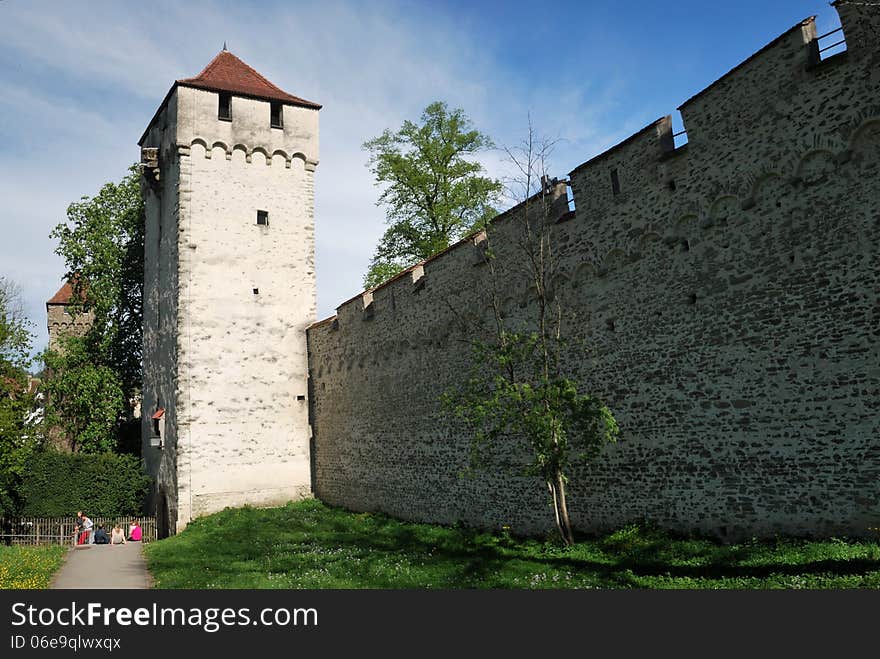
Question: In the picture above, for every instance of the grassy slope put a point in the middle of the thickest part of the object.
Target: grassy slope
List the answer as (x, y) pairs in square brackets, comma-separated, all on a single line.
[(29, 567), (309, 545)]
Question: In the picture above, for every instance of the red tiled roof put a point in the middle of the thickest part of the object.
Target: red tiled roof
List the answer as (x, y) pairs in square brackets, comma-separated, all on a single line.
[(227, 73), (63, 295)]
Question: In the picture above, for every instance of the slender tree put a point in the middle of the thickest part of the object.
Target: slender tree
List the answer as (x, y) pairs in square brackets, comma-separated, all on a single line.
[(93, 380), (518, 390), (18, 434), (102, 243), (433, 195)]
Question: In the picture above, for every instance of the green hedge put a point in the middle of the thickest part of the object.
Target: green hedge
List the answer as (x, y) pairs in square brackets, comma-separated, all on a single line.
[(57, 484)]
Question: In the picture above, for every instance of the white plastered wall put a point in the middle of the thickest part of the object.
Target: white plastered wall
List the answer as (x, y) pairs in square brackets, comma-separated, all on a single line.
[(240, 408)]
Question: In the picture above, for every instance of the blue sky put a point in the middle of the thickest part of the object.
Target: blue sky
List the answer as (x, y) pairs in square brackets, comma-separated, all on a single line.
[(80, 80)]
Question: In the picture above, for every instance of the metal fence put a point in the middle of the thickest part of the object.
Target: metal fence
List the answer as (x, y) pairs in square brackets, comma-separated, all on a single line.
[(62, 530), (825, 46)]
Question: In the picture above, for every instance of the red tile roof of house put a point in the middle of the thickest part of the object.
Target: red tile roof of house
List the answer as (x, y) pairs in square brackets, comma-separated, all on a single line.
[(227, 73)]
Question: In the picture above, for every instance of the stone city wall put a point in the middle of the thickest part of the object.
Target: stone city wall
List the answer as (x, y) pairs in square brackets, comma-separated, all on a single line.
[(723, 301)]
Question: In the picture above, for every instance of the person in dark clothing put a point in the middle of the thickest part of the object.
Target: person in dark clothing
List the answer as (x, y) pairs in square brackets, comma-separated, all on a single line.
[(101, 537)]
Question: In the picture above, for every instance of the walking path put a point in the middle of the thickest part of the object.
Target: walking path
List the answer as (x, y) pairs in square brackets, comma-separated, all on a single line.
[(104, 566)]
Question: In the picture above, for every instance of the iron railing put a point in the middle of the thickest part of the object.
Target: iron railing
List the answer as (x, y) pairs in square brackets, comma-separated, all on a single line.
[(822, 48)]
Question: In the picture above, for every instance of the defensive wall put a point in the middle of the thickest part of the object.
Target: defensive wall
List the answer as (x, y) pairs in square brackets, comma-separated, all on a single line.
[(721, 297)]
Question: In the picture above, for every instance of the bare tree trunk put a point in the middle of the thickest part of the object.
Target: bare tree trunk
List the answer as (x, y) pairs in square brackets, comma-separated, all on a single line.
[(560, 509), (563, 510), (550, 486)]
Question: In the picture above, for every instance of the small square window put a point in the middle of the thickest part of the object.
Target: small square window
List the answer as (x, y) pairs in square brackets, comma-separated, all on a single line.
[(224, 110), (256, 291), (277, 120), (263, 218)]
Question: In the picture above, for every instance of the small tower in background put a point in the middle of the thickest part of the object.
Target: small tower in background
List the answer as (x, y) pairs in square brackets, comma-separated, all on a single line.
[(61, 322), (228, 166)]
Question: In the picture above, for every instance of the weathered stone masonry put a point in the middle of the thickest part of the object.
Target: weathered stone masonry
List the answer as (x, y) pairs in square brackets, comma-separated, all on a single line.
[(727, 298)]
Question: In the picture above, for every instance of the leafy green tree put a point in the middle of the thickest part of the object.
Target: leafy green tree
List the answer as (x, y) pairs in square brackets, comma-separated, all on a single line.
[(518, 390), (85, 398), (92, 379), (433, 194), (102, 243), (18, 434)]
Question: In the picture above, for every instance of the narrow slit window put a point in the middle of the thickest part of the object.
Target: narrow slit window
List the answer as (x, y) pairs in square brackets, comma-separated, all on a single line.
[(615, 182), (224, 110), (263, 218), (277, 120)]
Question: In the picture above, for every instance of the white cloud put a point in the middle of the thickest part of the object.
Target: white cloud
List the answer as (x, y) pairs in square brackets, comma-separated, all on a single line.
[(104, 43), (82, 67)]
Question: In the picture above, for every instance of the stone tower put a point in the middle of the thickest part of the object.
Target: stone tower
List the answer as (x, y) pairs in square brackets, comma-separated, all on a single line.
[(228, 166), (61, 321)]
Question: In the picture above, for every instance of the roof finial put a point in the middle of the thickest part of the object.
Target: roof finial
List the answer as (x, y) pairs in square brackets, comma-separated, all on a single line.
[(224, 45)]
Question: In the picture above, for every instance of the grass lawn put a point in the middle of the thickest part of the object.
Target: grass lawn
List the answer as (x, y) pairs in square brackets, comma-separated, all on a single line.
[(29, 567), (310, 545)]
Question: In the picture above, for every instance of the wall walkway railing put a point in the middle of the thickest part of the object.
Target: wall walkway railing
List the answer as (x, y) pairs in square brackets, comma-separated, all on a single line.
[(823, 48)]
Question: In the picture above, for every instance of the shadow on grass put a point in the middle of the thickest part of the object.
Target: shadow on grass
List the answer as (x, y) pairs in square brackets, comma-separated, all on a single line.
[(239, 548), (475, 557)]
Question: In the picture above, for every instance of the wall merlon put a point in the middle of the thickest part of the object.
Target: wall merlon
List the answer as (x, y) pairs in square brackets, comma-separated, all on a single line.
[(624, 149), (861, 27), (417, 272), (785, 56), (353, 309), (621, 172)]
